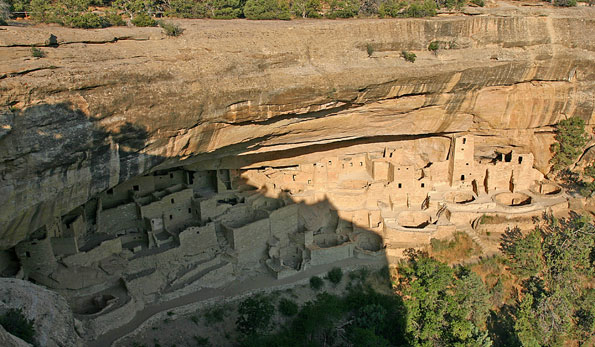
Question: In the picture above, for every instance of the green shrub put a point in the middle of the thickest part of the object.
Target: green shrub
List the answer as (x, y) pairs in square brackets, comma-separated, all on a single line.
[(4, 12), (369, 49), (254, 315), (171, 29), (570, 140), (46, 12), (15, 322), (288, 307), (343, 8), (565, 3), (214, 315), (143, 20), (419, 10), (187, 9), (226, 9), (335, 275), (450, 4), (202, 341), (113, 18), (267, 9), (360, 274), (478, 3), (409, 56), (306, 8), (433, 46), (37, 53), (316, 282), (390, 8), (85, 21)]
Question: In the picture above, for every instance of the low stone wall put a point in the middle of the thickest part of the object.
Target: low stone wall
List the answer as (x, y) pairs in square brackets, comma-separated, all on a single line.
[(104, 250), (320, 256), (111, 320)]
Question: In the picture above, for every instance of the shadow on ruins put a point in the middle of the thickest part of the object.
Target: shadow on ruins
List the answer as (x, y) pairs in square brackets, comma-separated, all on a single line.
[(169, 233)]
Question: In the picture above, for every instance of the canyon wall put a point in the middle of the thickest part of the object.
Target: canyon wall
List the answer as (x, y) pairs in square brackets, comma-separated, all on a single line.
[(108, 105)]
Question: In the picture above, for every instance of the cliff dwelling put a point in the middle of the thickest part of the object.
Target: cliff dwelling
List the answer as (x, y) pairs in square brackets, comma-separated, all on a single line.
[(152, 185), (158, 236)]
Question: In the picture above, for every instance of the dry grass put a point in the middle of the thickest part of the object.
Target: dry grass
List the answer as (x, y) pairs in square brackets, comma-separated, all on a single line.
[(453, 251)]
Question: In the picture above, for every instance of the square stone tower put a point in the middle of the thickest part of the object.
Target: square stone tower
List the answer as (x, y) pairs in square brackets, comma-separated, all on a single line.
[(461, 161)]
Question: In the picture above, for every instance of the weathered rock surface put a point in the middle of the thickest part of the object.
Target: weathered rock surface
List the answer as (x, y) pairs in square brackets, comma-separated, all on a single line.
[(8, 340), (53, 321), (107, 105)]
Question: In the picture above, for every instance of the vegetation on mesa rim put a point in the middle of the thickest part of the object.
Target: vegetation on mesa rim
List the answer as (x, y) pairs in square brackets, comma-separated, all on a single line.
[(77, 13)]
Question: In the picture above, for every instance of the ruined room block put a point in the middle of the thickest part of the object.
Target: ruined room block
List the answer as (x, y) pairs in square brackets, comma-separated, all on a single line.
[(195, 240)]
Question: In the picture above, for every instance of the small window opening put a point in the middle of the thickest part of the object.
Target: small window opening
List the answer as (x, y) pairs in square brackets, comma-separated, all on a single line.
[(464, 140), (190, 211), (391, 155), (520, 160), (361, 163), (171, 217), (330, 162), (110, 192), (136, 188), (293, 177), (423, 185), (309, 181), (400, 186), (508, 157), (462, 177), (28, 254), (172, 200), (171, 175), (467, 164)]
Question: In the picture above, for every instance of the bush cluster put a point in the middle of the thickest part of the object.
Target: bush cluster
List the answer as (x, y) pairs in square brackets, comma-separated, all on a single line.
[(37, 53), (4, 12), (267, 9), (255, 315), (77, 13), (570, 141), (316, 282), (15, 322), (335, 275), (143, 20), (564, 3), (409, 56), (288, 307), (171, 29)]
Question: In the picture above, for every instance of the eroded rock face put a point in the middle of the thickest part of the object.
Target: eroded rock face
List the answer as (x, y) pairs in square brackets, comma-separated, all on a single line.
[(8, 340), (111, 104), (53, 321)]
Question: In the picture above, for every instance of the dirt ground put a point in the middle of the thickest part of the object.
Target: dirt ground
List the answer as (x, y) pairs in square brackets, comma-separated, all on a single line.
[(215, 325)]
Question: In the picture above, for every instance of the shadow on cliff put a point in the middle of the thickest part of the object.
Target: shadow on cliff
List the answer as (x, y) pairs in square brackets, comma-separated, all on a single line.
[(56, 158)]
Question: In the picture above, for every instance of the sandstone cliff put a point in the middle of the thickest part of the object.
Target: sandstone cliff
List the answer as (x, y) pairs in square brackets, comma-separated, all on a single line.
[(107, 105)]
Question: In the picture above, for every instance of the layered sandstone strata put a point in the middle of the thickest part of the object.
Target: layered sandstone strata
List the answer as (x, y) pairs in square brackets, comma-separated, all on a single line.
[(107, 105)]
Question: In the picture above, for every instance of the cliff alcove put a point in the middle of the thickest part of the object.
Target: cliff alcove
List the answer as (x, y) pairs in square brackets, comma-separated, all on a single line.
[(139, 173)]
